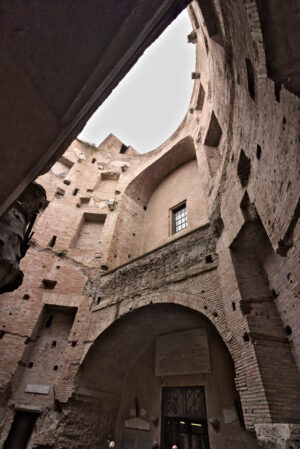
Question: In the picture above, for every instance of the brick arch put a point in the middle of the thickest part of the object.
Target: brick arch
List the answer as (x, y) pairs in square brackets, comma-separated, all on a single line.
[(101, 373), (211, 311), (193, 302)]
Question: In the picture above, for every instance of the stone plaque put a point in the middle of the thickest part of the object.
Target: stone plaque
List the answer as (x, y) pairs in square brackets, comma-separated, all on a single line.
[(128, 440), (144, 441), (136, 441), (39, 389), (184, 352), (229, 416)]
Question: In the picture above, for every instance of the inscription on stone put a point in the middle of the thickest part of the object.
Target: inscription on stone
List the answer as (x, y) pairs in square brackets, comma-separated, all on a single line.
[(229, 416), (39, 389), (184, 352), (136, 441), (144, 442), (128, 440)]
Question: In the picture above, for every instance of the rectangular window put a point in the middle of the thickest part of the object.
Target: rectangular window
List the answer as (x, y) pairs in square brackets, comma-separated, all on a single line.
[(179, 218)]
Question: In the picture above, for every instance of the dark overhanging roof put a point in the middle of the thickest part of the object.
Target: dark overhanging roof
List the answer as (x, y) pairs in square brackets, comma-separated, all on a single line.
[(59, 62)]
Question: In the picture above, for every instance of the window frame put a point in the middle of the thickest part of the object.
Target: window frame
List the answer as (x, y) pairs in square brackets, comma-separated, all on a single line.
[(173, 210)]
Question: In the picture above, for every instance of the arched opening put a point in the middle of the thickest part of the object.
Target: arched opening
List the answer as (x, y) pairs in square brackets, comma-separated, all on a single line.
[(158, 353)]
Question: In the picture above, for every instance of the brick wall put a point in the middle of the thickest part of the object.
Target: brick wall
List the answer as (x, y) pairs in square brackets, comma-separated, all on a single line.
[(246, 282)]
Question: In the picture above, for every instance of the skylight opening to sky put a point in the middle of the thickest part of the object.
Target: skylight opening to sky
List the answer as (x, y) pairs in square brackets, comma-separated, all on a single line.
[(151, 101)]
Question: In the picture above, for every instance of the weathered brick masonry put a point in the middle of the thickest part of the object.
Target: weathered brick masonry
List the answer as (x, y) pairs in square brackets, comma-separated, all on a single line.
[(105, 275)]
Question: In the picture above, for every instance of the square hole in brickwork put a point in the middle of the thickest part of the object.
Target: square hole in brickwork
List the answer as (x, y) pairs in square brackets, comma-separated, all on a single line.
[(243, 168), (84, 201), (211, 144), (250, 78), (62, 167), (200, 99), (214, 132), (48, 284), (52, 241), (123, 148), (59, 192)]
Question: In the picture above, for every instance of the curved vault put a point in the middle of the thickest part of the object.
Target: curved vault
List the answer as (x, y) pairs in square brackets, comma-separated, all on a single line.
[(117, 348), (144, 184)]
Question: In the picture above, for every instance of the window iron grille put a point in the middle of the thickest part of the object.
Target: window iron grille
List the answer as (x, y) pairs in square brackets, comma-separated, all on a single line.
[(180, 219)]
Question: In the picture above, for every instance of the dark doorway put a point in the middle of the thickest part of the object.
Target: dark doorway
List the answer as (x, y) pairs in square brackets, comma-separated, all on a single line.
[(184, 418), (21, 430)]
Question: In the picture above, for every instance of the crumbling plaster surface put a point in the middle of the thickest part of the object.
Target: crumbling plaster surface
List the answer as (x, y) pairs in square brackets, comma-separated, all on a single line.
[(277, 435)]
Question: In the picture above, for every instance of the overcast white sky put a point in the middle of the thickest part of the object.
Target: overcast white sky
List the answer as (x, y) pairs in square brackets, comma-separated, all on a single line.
[(151, 101)]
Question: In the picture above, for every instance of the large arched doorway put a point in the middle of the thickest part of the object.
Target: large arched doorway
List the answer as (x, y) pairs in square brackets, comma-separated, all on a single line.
[(162, 373)]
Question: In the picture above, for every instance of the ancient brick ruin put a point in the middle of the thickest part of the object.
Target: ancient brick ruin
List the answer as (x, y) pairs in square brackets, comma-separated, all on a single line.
[(159, 299)]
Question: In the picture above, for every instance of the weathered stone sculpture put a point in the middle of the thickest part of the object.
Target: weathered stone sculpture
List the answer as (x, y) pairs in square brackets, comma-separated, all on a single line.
[(15, 232)]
